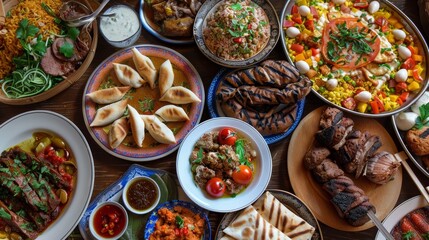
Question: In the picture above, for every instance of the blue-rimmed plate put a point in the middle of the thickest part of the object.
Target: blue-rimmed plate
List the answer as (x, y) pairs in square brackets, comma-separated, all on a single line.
[(150, 225), (216, 111), (146, 19), (166, 183), (103, 77)]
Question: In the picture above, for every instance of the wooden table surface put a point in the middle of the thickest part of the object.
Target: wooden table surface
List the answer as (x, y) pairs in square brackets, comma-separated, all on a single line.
[(108, 168)]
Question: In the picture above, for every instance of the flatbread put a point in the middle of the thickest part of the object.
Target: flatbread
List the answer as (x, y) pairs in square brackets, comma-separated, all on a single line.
[(250, 225), (273, 211)]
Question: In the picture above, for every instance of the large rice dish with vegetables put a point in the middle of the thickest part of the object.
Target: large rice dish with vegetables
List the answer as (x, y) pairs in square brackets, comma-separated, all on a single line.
[(357, 53), (236, 30)]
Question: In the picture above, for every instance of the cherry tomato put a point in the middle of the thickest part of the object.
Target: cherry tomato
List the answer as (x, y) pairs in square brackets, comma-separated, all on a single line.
[(227, 136), (349, 103), (215, 187), (242, 175)]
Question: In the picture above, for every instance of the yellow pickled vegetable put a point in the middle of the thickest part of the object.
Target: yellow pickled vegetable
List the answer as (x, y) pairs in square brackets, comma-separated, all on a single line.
[(413, 86), (361, 107)]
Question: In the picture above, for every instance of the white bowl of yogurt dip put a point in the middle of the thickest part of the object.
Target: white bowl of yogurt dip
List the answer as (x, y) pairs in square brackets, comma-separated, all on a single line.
[(123, 29)]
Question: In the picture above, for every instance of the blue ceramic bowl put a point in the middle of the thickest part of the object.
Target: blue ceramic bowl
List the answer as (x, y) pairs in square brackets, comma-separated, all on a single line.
[(215, 111), (150, 225)]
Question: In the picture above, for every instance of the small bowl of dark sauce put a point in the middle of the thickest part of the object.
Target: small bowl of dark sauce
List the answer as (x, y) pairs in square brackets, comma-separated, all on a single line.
[(141, 195), (109, 220)]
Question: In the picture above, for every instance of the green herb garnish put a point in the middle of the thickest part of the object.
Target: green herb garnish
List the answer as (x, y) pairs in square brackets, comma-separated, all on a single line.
[(408, 235), (423, 118), (4, 214), (67, 49), (179, 221), (241, 152), (200, 155), (147, 105)]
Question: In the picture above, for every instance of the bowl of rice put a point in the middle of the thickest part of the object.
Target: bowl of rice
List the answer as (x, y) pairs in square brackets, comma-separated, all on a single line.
[(236, 33)]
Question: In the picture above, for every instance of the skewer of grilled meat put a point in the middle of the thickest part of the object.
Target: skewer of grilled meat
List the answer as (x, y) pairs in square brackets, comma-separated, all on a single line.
[(348, 199)]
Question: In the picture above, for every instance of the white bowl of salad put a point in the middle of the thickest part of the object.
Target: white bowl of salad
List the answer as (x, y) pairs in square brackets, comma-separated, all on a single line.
[(224, 164)]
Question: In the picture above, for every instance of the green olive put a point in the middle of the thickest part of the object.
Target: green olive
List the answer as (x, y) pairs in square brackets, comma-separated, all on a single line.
[(58, 142), (62, 194), (15, 236)]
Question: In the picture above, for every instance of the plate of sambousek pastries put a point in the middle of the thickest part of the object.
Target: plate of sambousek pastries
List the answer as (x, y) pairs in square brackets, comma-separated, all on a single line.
[(277, 214), (140, 102)]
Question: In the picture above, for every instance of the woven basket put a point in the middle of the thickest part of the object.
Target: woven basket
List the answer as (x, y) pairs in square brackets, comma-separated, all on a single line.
[(72, 78)]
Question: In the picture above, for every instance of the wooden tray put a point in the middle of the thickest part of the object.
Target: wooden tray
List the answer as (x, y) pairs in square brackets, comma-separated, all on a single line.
[(383, 197), (72, 78)]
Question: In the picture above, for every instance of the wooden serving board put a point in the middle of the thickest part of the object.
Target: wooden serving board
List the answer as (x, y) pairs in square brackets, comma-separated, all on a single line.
[(383, 197)]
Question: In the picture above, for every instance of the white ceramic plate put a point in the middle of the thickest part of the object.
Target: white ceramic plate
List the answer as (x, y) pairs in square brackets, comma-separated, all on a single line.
[(21, 127), (255, 189), (399, 212)]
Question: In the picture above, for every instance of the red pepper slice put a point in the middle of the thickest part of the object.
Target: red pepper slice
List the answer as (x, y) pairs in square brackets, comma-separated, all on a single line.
[(404, 96), (416, 75), (294, 9), (298, 48), (315, 51), (360, 4), (296, 17), (309, 24), (374, 107), (379, 103), (383, 23)]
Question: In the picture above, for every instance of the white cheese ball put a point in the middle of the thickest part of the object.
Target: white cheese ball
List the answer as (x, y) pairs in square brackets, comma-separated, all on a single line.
[(292, 32), (338, 1), (399, 34), (302, 66), (363, 96), (404, 52), (373, 7), (304, 10), (331, 84), (406, 120), (401, 75)]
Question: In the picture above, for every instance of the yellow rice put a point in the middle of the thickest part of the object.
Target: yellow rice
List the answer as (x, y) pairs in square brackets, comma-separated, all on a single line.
[(33, 11)]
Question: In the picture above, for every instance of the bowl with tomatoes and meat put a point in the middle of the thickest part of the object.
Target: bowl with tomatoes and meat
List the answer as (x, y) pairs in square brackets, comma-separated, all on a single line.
[(224, 164), (365, 57)]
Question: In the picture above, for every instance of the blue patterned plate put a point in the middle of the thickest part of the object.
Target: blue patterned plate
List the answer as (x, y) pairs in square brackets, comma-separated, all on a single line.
[(216, 111), (166, 183), (150, 225)]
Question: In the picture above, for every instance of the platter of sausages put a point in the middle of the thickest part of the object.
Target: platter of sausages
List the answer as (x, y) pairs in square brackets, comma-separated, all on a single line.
[(409, 220), (342, 167)]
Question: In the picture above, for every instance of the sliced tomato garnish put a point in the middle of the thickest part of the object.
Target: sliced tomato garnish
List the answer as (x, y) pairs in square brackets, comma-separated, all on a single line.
[(296, 17), (383, 23), (348, 44), (294, 9), (360, 4)]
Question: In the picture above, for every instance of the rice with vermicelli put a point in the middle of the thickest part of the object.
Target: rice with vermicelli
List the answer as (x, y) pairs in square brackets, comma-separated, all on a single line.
[(34, 12), (237, 30)]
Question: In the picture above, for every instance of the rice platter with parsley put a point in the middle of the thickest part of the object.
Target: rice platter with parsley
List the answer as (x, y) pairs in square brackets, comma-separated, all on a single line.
[(236, 30), (357, 53)]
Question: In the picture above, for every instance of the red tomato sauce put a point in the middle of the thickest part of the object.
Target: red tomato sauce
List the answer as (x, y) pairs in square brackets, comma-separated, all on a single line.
[(109, 221)]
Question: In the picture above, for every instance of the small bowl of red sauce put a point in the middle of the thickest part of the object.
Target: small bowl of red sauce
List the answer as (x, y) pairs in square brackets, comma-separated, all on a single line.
[(108, 220), (141, 195)]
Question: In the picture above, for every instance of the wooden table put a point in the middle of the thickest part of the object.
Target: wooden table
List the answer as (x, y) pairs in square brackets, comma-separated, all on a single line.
[(108, 168)]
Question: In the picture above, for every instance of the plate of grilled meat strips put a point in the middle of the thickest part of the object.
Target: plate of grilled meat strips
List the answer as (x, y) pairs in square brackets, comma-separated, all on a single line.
[(269, 96), (343, 167)]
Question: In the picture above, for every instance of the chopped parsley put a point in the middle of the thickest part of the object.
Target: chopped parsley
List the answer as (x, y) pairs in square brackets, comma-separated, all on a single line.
[(423, 118), (179, 221), (147, 105), (5, 215)]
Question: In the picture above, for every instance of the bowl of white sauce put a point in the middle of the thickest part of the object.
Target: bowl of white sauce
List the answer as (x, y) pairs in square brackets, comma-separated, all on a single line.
[(122, 29)]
